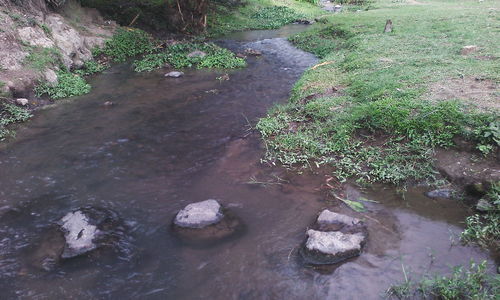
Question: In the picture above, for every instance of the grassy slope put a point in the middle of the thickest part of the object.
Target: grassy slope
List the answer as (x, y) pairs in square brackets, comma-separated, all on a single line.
[(364, 111)]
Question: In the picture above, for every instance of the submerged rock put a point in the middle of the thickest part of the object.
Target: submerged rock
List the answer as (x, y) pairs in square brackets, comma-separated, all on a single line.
[(333, 238), (440, 193), (205, 222), (329, 247), (174, 74)]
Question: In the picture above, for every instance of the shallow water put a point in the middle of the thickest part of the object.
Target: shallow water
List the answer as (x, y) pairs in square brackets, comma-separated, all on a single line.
[(169, 142)]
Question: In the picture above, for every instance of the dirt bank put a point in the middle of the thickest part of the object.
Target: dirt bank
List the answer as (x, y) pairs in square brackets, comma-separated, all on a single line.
[(37, 40)]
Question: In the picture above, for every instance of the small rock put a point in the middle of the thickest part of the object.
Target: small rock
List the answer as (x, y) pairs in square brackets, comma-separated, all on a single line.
[(197, 53), (253, 52), (484, 205), (199, 214), (22, 101), (440, 193), (108, 103), (388, 26), (174, 74), (469, 49), (337, 8), (332, 246)]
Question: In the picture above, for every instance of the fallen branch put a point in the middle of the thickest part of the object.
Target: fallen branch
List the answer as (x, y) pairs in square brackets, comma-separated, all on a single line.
[(322, 64)]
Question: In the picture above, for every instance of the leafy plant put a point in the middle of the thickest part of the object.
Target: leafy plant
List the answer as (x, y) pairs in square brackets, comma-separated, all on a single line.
[(275, 16), (126, 43), (68, 85), (471, 283), (90, 67), (9, 114), (177, 56)]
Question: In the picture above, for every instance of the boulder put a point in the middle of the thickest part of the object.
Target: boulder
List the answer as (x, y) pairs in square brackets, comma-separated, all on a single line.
[(89, 228), (440, 193), (197, 53), (329, 247), (205, 223), (174, 74), (199, 214), (51, 77), (333, 238)]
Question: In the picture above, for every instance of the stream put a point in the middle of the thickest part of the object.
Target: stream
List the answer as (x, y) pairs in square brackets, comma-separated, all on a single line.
[(169, 142)]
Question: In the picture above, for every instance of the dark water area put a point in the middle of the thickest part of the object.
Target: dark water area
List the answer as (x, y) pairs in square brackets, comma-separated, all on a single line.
[(170, 142)]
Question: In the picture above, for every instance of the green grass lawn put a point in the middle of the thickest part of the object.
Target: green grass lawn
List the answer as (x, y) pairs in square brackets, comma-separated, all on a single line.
[(367, 110)]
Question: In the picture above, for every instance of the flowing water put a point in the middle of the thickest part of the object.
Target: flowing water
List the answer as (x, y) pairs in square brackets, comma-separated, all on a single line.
[(169, 142)]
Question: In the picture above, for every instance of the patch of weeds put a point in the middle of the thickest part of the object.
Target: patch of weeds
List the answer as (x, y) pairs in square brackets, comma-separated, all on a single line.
[(10, 114), (488, 136), (484, 229), (322, 41), (41, 58), (90, 67), (177, 57), (463, 283), (46, 29), (68, 85), (126, 43), (275, 17)]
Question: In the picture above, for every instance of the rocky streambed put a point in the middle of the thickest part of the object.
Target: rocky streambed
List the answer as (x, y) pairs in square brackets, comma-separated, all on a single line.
[(112, 201)]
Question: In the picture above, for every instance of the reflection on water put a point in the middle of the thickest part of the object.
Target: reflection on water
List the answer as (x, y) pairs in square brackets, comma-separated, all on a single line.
[(169, 142)]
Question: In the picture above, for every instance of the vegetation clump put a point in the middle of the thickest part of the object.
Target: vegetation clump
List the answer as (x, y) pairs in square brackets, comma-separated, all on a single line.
[(126, 43), (68, 85), (484, 228), (177, 56), (10, 114), (463, 283)]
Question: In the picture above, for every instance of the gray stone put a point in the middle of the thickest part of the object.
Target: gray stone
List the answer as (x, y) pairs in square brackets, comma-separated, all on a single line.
[(35, 36), (469, 49), (329, 247), (197, 53), (22, 101), (50, 77), (484, 205), (79, 234), (337, 8), (440, 193), (327, 217), (199, 214), (174, 74)]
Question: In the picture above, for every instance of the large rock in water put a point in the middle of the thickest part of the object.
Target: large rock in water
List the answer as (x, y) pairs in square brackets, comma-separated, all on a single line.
[(333, 238), (87, 229), (205, 222)]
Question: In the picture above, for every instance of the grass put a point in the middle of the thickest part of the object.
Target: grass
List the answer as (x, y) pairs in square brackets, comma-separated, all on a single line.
[(10, 114), (259, 14), (463, 283), (484, 229), (364, 110), (177, 56), (41, 58)]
